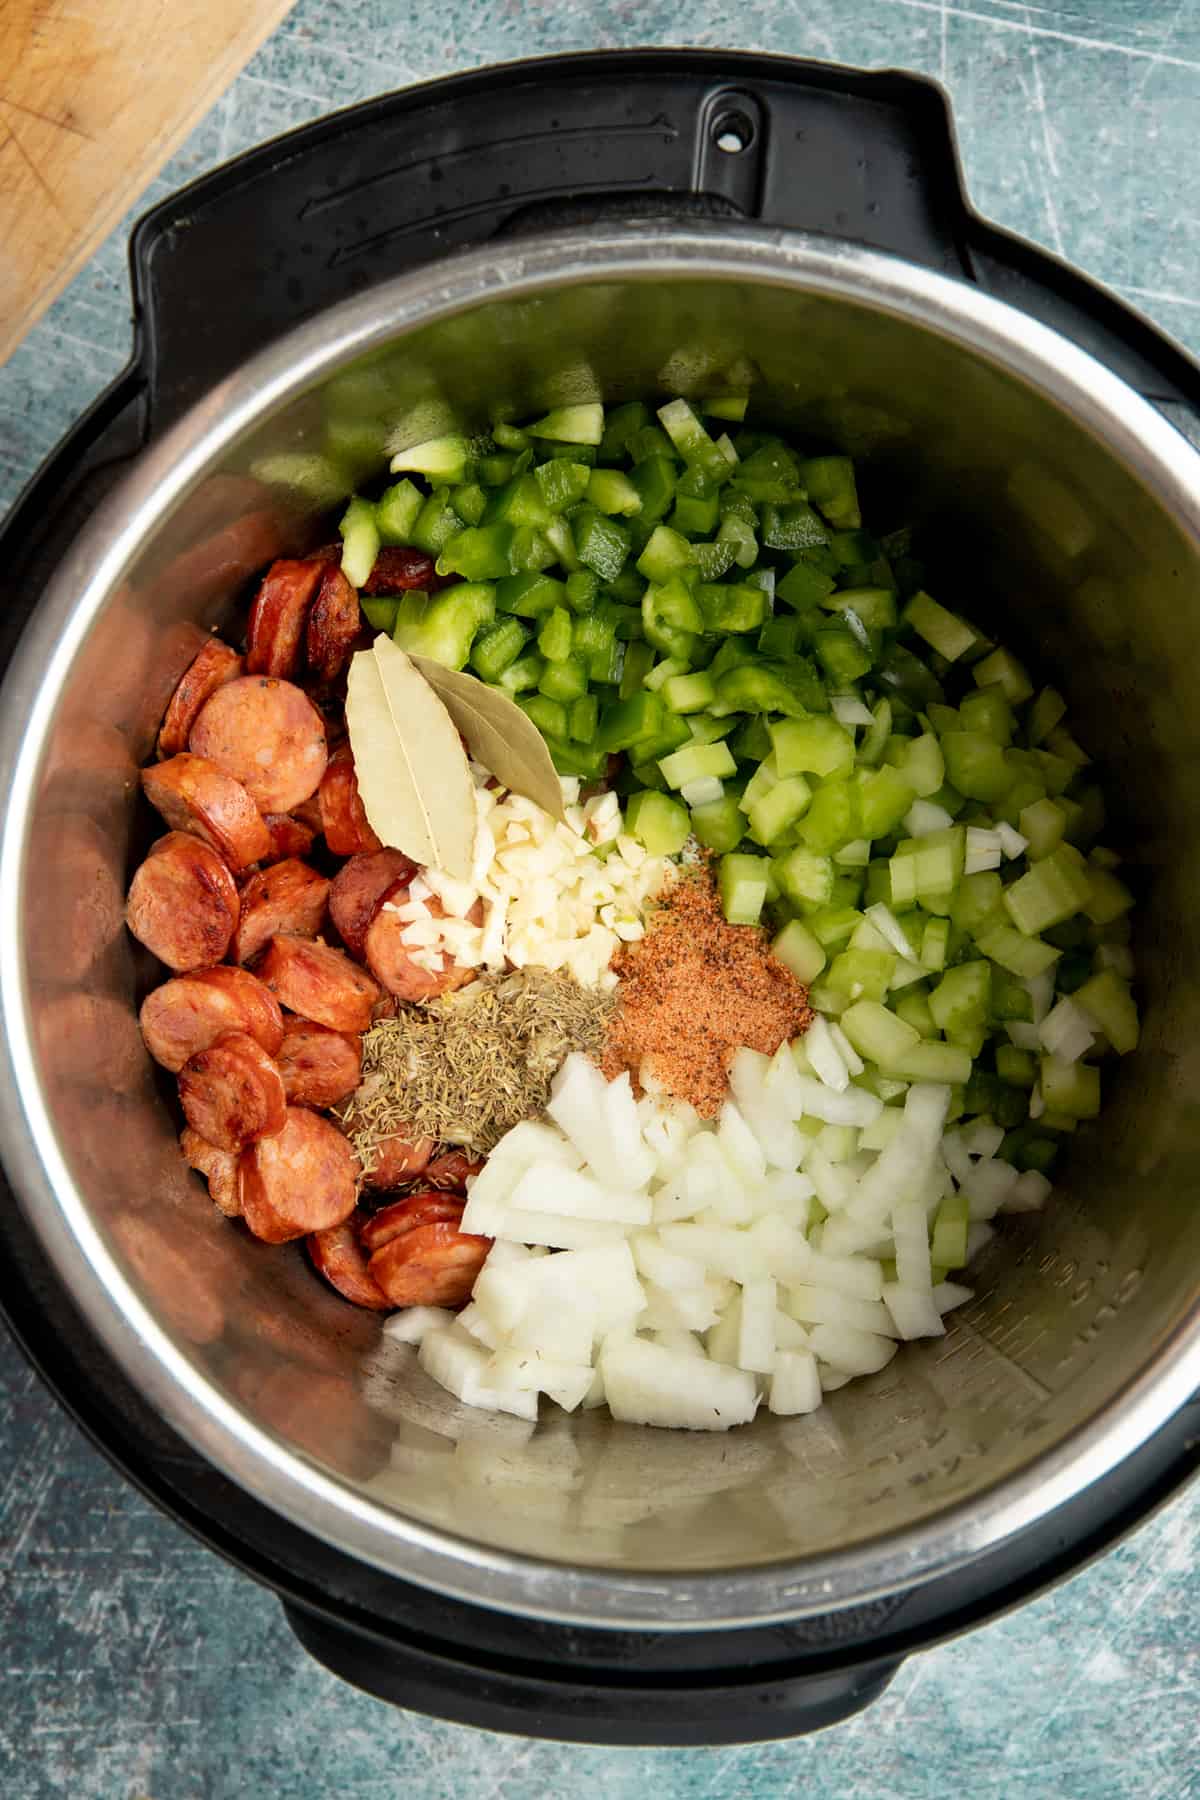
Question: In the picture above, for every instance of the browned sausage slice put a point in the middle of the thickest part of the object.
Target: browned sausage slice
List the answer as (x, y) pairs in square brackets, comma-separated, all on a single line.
[(232, 1093), (214, 664), (343, 816), (289, 897), (397, 1159), (302, 1180), (452, 1170), (268, 735), (183, 903), (333, 625), (319, 1066), (391, 959), (337, 1255), (434, 1265), (406, 1215), (193, 794), (190, 1013), (219, 1168), (319, 983), (358, 888), (289, 836), (275, 632), (398, 568)]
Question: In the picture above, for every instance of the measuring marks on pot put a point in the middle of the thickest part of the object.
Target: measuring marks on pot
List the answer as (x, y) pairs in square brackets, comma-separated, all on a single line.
[(731, 138)]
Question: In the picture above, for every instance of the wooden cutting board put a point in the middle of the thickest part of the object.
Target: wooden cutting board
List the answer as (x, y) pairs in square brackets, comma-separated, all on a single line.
[(94, 97)]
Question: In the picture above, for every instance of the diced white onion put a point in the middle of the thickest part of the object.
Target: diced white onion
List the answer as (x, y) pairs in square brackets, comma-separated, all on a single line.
[(1011, 842), (923, 817), (827, 1063), (1066, 1031), (848, 709), (703, 791)]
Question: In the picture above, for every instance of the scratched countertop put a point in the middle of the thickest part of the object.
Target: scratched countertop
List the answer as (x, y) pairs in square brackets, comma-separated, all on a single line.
[(136, 1666)]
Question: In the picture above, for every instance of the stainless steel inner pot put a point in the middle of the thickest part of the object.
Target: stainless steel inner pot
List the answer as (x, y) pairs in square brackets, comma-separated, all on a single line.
[(1070, 513)]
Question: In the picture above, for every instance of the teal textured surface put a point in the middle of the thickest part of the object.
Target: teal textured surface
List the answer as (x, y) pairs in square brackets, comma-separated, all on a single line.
[(136, 1666)]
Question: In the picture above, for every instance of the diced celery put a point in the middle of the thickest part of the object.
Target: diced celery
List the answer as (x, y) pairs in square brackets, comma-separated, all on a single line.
[(1047, 711), (1042, 823), (799, 950), (987, 711), (811, 746), (1060, 743), (743, 884), (571, 424), (1003, 669), (1014, 951), (876, 735), (658, 822), (360, 542), (1071, 1088), (720, 825), (832, 817), (695, 760), (1107, 897), (878, 1034), (774, 810), (959, 1002), (689, 693), (934, 942), (805, 877), (914, 1010), (1108, 1000), (834, 925), (975, 765), (1017, 1067), (439, 459), (949, 635), (862, 974), (396, 511), (1049, 892), (662, 672), (948, 1243), (380, 611), (924, 766), (934, 1062), (976, 901)]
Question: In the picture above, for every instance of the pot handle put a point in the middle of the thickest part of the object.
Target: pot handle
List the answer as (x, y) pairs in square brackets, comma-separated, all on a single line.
[(616, 1705)]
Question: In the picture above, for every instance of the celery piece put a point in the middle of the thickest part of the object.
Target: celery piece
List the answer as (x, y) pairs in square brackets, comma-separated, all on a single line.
[(1050, 891), (1017, 1067), (830, 484), (913, 1008), (497, 647), (772, 812), (658, 822), (571, 424), (1047, 711), (753, 740), (1107, 898), (360, 542), (949, 635), (959, 1002), (935, 1062), (743, 884), (811, 746), (1060, 743), (521, 675), (600, 542), (1014, 951), (443, 626), (975, 765), (1071, 1088), (934, 942), (706, 730), (977, 900), (662, 672), (566, 679), (948, 1242), (923, 765), (832, 818), (1108, 1000), (799, 950), (380, 611), (862, 974), (871, 744), (805, 877), (1042, 823), (719, 825), (445, 459), (939, 857), (834, 925), (396, 511), (666, 552), (727, 406), (1056, 773), (689, 693), (583, 717), (877, 1034), (1007, 672), (550, 716), (987, 711), (695, 760)]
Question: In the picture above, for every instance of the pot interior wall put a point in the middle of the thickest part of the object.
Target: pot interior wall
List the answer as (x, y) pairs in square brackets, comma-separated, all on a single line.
[(1032, 524)]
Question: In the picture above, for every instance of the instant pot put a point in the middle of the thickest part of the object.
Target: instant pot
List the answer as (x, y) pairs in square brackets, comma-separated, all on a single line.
[(601, 227)]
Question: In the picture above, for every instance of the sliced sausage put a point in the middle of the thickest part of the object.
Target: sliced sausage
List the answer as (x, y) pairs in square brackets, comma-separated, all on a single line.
[(214, 664), (289, 836), (398, 568), (406, 1215), (333, 625), (301, 1180), (183, 903), (268, 735), (343, 816), (319, 1066), (337, 1255), (390, 959), (357, 889), (452, 1170), (189, 1014), (219, 1168), (193, 794), (232, 1093), (397, 1159), (289, 898), (319, 983), (433, 1265), (275, 631)]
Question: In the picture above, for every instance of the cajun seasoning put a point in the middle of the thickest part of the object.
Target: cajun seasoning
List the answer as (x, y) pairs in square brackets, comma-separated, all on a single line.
[(693, 990)]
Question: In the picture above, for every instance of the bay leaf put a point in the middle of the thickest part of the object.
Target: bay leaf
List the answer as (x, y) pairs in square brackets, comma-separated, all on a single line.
[(499, 735), (413, 777)]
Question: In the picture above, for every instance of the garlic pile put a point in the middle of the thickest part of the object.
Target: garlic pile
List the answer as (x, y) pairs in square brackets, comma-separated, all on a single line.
[(553, 896)]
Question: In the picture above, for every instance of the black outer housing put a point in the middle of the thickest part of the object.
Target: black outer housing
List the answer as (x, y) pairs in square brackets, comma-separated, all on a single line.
[(293, 227)]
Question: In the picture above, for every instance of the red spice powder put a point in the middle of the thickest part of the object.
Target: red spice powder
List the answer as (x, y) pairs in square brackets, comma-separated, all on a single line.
[(693, 990)]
